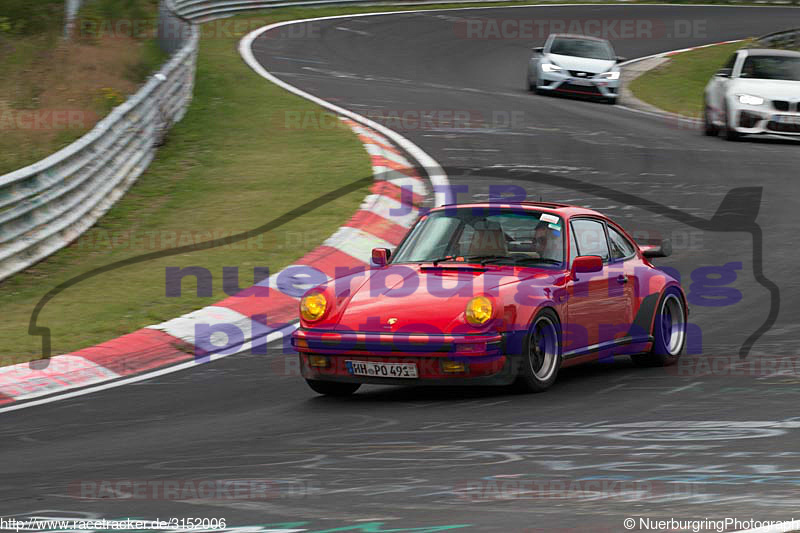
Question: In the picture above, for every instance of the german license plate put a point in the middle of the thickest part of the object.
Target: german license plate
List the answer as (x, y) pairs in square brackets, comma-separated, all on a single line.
[(787, 119), (382, 370), (578, 81)]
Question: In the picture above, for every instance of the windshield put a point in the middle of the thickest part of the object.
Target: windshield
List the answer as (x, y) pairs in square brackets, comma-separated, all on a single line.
[(509, 236), (771, 68), (581, 48)]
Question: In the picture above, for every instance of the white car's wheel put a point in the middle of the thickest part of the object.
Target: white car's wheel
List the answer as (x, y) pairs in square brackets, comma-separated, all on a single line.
[(709, 128), (730, 133)]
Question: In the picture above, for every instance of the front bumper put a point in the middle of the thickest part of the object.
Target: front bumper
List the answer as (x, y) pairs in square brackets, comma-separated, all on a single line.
[(484, 356), (565, 83), (754, 120)]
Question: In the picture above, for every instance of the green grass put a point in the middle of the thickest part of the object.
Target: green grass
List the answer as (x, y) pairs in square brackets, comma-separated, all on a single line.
[(677, 86), (28, 17), (228, 167), (43, 72)]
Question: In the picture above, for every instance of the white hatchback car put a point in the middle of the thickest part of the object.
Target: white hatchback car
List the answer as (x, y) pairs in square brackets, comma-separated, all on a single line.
[(575, 64), (757, 91)]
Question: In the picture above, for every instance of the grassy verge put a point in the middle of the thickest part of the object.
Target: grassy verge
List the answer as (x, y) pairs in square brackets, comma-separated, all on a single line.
[(677, 86), (229, 166), (44, 75)]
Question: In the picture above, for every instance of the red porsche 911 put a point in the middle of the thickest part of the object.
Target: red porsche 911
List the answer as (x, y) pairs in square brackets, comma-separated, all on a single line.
[(492, 294)]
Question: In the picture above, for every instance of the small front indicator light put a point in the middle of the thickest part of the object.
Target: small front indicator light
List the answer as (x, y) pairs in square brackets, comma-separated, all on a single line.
[(471, 348), (318, 361), (312, 306), (300, 343), (453, 367), (479, 310)]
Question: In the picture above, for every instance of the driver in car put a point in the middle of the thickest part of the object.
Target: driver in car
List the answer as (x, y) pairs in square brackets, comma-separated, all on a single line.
[(547, 242)]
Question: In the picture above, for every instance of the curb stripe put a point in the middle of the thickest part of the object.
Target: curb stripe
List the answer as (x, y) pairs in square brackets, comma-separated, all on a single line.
[(165, 345), (378, 226), (329, 260), (136, 352)]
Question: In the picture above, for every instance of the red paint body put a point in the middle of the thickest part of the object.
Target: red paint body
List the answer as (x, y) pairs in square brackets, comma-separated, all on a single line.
[(599, 314)]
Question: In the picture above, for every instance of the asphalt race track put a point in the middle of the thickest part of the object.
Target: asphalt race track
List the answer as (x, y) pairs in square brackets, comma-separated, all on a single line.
[(693, 442)]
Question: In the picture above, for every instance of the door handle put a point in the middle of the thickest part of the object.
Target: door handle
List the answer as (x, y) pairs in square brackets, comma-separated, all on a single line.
[(622, 279)]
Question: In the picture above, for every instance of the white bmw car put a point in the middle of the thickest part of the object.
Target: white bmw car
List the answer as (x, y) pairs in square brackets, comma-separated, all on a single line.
[(757, 91), (575, 65)]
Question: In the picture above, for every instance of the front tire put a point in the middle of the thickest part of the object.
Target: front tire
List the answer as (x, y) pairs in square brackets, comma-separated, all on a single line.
[(709, 128), (730, 133), (669, 332), (541, 353), (332, 388)]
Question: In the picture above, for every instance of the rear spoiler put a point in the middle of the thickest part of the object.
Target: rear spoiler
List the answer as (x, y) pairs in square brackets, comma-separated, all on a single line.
[(657, 249)]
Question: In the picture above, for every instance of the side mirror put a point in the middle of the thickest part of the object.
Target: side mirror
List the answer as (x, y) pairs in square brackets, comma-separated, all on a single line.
[(659, 249), (380, 256), (620, 59), (585, 264), (538, 50), (724, 73)]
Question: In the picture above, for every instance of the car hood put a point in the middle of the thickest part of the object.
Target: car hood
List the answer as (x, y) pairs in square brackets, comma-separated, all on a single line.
[(424, 299), (768, 89), (582, 63)]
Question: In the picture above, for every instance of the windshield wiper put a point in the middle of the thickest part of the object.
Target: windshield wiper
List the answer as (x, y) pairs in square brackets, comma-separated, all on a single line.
[(440, 259), (495, 258), (484, 259)]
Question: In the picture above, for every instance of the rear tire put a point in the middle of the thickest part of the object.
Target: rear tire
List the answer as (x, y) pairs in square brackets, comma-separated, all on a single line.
[(611, 100), (332, 388), (669, 332), (541, 353)]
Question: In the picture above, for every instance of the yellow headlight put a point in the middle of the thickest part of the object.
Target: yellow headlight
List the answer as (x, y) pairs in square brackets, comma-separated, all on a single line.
[(312, 307), (479, 310)]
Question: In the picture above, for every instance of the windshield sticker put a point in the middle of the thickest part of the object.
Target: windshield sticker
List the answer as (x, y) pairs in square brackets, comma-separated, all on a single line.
[(546, 217)]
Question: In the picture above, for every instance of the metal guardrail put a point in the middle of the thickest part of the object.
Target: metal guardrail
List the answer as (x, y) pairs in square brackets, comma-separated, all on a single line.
[(200, 10), (47, 205), (786, 39)]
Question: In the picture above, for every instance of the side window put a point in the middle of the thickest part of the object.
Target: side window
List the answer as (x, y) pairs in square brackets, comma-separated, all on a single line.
[(621, 248), (591, 238)]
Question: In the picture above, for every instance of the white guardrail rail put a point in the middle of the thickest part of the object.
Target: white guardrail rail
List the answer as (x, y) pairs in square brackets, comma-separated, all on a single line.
[(787, 39), (47, 205)]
